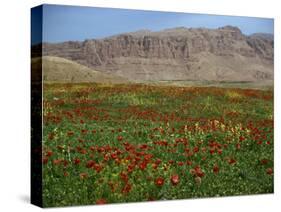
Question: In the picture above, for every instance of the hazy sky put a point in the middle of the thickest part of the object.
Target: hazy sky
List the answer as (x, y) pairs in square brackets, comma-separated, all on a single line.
[(62, 23)]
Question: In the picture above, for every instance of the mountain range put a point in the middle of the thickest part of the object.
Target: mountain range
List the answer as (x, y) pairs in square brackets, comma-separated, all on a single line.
[(177, 54)]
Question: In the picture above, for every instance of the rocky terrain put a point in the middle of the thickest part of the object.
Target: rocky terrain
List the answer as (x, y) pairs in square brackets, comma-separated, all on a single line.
[(178, 54)]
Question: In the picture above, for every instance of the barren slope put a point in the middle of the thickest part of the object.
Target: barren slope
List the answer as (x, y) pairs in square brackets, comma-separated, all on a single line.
[(56, 69)]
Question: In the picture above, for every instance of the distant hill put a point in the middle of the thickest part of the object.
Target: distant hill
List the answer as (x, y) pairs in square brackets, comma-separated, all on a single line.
[(177, 54), (56, 69)]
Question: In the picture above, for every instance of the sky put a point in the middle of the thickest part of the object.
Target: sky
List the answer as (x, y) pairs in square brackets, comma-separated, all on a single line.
[(64, 23)]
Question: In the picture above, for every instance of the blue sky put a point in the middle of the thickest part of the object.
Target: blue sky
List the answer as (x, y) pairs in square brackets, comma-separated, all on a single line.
[(63, 23)]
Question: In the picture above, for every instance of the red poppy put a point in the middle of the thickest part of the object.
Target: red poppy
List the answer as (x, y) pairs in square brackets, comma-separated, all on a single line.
[(119, 138), (212, 151), (127, 188), (101, 201), (49, 153), (97, 167), (180, 163), (65, 163), (76, 161), (83, 175), (57, 161), (151, 198), (231, 161), (200, 173), (196, 149), (144, 146), (84, 131), (187, 150), (124, 176), (148, 157), (130, 168), (197, 171), (175, 179), (216, 169), (90, 164), (143, 165), (70, 133), (154, 165), (189, 162), (159, 181), (264, 161), (83, 151), (269, 171), (113, 155), (219, 151), (158, 161), (241, 138), (45, 160), (238, 146), (106, 157), (112, 186)]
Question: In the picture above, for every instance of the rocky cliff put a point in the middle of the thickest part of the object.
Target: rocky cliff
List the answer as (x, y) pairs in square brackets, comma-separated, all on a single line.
[(223, 54)]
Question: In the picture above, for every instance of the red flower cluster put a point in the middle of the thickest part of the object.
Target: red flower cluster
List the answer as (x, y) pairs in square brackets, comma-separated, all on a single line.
[(159, 181), (197, 172), (175, 179)]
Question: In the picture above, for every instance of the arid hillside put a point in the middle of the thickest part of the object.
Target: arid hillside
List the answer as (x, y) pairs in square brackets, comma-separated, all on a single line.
[(56, 69), (178, 54)]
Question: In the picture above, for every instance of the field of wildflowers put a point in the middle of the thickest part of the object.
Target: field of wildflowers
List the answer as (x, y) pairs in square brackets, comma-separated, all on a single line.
[(133, 142)]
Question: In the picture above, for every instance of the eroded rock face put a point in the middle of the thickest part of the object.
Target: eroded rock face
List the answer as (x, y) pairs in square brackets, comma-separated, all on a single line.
[(175, 54), (262, 46)]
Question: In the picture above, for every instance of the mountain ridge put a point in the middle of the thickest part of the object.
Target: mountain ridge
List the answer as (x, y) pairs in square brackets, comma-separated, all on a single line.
[(222, 54)]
